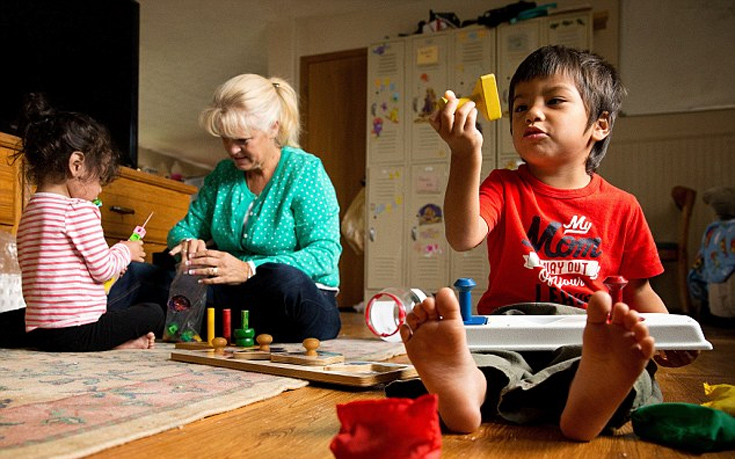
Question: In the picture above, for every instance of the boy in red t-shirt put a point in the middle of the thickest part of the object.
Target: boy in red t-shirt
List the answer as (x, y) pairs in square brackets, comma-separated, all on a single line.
[(555, 230)]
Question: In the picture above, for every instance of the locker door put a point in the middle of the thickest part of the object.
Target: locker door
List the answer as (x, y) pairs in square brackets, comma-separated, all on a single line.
[(385, 222), (473, 55), (515, 42), (574, 29), (428, 61), (386, 103), (427, 249), (473, 263)]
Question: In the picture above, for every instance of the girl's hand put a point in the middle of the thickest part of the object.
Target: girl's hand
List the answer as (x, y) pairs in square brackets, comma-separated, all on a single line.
[(674, 359), (218, 267), (457, 126), (137, 252), (187, 248)]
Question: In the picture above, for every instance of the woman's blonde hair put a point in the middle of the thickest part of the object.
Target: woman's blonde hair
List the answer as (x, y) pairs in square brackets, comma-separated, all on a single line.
[(250, 102)]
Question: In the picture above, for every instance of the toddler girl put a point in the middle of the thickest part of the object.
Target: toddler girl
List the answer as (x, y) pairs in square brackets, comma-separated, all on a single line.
[(62, 252)]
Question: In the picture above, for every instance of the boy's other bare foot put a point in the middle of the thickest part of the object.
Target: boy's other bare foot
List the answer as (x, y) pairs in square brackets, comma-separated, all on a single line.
[(436, 343), (147, 341), (613, 356)]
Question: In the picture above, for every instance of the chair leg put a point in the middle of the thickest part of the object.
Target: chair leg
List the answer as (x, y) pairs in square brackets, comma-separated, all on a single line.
[(685, 300)]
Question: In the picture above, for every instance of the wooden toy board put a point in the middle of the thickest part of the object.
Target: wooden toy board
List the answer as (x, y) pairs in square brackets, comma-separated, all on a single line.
[(351, 373)]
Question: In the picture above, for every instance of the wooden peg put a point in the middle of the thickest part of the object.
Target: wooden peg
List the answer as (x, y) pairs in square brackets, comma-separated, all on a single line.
[(311, 345), (615, 285), (219, 345), (310, 356), (264, 341)]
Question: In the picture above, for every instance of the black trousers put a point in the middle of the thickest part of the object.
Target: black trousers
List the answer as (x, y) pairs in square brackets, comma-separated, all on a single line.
[(111, 330)]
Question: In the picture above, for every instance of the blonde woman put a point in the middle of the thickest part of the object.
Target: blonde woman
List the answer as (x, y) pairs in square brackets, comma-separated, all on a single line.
[(264, 229)]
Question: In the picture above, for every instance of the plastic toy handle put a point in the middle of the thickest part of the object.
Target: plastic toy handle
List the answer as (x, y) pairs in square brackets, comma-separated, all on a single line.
[(464, 286), (138, 234)]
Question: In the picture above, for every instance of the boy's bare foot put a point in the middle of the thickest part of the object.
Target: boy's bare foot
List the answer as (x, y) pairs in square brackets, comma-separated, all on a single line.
[(613, 356), (147, 341), (436, 343)]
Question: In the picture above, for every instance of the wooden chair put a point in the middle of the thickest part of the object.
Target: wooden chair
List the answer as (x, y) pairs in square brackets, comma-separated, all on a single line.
[(684, 199)]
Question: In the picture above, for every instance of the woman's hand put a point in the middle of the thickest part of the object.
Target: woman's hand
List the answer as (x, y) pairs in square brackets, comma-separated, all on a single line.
[(187, 248), (217, 267)]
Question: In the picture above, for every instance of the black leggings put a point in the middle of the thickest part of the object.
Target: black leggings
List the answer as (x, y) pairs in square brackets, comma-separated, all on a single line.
[(111, 330)]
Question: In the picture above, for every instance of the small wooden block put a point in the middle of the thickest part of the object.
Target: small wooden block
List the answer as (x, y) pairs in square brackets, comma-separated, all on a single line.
[(251, 354), (311, 356), (193, 345), (300, 358)]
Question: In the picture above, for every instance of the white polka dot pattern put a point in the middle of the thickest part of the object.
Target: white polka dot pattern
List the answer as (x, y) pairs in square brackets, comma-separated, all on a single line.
[(295, 220)]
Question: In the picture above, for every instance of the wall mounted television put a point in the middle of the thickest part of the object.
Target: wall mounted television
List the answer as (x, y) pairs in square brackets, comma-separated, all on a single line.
[(83, 54)]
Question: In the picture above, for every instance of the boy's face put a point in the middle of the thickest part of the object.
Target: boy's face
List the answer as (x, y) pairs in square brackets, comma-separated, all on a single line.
[(549, 123)]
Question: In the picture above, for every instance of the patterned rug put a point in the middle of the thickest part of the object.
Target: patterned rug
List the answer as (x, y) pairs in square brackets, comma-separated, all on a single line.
[(68, 405)]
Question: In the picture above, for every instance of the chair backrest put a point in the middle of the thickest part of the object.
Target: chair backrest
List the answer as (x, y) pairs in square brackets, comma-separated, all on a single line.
[(684, 198)]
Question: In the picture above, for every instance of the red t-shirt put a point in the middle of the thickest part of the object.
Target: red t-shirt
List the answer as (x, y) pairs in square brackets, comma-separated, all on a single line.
[(552, 245)]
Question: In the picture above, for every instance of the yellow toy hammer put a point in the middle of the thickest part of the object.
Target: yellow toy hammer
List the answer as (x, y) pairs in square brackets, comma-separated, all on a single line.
[(485, 95)]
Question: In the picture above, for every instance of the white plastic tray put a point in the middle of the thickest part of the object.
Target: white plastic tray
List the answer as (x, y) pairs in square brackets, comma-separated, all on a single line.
[(548, 332)]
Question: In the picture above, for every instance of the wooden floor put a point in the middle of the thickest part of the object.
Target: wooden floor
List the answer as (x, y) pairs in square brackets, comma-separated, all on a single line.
[(301, 423)]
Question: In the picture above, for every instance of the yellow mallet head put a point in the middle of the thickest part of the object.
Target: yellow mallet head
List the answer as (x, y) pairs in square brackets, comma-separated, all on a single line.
[(485, 95)]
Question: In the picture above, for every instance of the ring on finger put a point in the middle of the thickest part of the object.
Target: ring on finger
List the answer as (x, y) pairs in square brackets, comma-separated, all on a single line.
[(214, 271)]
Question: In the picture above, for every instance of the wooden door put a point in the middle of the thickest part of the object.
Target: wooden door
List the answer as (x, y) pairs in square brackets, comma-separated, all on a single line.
[(333, 90)]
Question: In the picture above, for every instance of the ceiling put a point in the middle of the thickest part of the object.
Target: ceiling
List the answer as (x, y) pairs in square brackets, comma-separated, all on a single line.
[(188, 48)]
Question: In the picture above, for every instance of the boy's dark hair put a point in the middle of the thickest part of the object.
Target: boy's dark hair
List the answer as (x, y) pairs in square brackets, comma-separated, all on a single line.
[(49, 137), (596, 80)]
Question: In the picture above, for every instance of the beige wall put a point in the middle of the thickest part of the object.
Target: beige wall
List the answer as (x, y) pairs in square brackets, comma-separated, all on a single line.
[(648, 155), (163, 165)]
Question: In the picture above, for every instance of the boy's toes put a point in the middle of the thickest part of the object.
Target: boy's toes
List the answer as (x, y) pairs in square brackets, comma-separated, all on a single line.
[(405, 332), (447, 304), (599, 307)]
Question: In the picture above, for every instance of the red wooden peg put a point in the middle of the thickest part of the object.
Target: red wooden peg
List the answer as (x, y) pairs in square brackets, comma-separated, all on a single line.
[(615, 285)]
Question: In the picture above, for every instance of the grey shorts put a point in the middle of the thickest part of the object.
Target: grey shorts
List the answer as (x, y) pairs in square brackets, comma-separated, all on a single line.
[(532, 387)]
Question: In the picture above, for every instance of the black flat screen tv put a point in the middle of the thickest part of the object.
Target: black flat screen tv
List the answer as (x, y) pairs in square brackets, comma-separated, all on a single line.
[(83, 54)]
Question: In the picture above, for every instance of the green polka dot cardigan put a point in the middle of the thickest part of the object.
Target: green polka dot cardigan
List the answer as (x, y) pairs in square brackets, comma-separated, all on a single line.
[(295, 220)]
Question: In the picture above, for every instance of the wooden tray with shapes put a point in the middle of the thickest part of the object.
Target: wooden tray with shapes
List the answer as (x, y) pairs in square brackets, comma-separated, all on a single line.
[(351, 373)]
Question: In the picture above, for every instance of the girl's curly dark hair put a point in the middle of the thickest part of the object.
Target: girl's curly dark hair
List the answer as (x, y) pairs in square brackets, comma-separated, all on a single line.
[(49, 137)]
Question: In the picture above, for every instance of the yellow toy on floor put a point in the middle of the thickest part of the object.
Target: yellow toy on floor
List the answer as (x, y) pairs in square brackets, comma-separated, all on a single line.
[(722, 397)]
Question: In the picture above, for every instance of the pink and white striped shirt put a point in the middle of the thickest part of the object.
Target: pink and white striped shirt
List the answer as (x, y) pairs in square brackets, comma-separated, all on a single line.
[(65, 260)]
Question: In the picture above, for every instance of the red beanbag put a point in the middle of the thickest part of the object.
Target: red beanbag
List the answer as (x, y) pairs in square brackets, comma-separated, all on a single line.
[(391, 427)]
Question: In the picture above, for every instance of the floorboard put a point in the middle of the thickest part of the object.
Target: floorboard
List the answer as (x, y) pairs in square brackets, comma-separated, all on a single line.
[(301, 423)]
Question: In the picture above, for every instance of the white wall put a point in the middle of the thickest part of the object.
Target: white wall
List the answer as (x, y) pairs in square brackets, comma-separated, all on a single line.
[(292, 38)]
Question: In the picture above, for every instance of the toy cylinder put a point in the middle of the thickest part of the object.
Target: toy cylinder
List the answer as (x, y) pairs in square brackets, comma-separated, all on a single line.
[(387, 310), (210, 325), (226, 324)]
